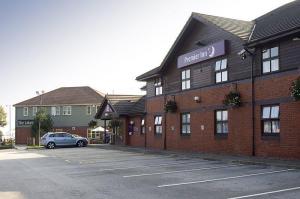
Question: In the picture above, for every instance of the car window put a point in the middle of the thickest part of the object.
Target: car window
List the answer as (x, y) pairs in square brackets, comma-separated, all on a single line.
[(58, 135), (52, 135)]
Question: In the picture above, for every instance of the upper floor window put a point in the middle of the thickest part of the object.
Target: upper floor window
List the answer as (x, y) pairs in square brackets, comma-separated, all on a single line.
[(221, 121), (185, 123), (270, 120), (221, 71), (25, 111), (158, 124), (270, 59), (34, 110), (186, 79), (158, 86), (55, 110), (67, 110), (88, 110), (143, 127)]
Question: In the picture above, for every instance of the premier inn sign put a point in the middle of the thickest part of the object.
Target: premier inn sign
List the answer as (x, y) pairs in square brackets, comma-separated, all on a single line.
[(201, 54)]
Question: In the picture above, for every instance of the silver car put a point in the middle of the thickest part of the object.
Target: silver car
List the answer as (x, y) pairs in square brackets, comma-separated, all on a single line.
[(53, 139)]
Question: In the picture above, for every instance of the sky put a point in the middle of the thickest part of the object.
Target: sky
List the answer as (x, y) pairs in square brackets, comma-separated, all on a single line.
[(104, 44)]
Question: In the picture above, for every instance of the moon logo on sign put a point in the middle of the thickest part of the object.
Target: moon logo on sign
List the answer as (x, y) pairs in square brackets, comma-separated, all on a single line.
[(211, 51)]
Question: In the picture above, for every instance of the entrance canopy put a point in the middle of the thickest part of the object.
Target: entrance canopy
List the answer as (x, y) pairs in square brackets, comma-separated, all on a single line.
[(99, 129)]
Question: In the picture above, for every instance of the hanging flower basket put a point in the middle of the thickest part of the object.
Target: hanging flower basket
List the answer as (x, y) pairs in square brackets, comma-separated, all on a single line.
[(295, 89), (233, 99), (171, 106)]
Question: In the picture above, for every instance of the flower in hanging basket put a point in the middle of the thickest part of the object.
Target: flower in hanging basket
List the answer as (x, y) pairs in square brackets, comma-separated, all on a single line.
[(295, 89), (170, 106), (232, 99)]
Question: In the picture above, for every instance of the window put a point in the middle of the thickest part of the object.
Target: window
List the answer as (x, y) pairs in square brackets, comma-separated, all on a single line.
[(270, 58), (158, 124), (34, 110), (55, 110), (221, 71), (143, 127), (270, 120), (25, 111), (158, 86), (186, 79), (221, 122), (89, 110), (67, 110), (185, 123)]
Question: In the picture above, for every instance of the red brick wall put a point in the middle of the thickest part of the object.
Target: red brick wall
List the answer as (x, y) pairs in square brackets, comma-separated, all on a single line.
[(81, 131), (272, 89), (137, 138)]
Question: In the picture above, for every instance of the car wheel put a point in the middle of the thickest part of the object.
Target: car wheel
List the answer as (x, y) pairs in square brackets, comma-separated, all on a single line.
[(80, 143), (51, 145)]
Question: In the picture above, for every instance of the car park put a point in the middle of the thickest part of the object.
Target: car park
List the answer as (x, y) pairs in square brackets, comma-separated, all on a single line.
[(53, 139)]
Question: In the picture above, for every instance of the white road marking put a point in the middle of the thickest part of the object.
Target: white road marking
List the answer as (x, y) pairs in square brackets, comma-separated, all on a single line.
[(178, 171), (266, 193), (156, 165), (226, 178)]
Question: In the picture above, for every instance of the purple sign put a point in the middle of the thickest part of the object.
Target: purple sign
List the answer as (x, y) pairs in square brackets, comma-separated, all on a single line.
[(201, 54)]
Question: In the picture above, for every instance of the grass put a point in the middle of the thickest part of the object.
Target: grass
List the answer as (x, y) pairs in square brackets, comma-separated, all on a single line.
[(5, 147), (35, 147)]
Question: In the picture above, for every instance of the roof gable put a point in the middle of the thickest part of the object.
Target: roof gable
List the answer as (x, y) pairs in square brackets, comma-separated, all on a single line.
[(238, 28)]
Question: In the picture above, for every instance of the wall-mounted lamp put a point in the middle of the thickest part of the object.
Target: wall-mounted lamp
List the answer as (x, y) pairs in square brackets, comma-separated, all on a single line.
[(296, 39), (131, 122), (197, 99)]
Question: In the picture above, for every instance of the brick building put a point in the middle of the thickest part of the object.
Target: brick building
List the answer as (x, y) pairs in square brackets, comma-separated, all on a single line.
[(253, 63), (71, 109)]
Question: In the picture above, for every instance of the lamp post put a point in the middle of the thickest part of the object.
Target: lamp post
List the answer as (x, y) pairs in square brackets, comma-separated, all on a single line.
[(40, 93)]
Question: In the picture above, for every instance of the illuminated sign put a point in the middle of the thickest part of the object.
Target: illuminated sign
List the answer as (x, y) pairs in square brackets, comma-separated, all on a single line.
[(201, 54)]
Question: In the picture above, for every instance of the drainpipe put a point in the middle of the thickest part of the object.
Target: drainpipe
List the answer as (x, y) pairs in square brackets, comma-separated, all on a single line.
[(165, 125)]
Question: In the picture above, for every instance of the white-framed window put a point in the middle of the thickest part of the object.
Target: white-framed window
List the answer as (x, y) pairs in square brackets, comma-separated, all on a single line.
[(158, 86), (97, 108), (186, 79), (185, 123), (270, 120), (25, 111), (158, 124), (221, 122), (88, 110), (221, 71), (34, 110), (270, 60), (55, 110), (67, 110)]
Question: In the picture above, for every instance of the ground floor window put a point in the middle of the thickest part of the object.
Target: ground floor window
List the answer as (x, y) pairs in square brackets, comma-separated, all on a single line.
[(143, 127), (270, 120), (158, 124), (221, 118), (185, 123)]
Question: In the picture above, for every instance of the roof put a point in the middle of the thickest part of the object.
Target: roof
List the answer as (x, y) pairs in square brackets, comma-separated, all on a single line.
[(123, 105), (239, 28), (279, 21), (65, 96)]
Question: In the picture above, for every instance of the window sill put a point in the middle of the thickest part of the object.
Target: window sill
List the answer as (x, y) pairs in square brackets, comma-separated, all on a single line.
[(185, 134), (269, 136), (221, 135)]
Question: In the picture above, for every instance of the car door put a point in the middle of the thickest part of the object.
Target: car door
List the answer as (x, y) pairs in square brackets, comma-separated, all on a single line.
[(69, 139), (58, 139)]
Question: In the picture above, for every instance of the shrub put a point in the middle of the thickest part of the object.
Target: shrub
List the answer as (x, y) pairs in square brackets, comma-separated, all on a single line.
[(232, 99), (295, 89)]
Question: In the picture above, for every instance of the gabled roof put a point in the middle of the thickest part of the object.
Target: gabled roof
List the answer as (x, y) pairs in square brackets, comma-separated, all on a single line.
[(123, 105), (65, 96), (240, 29), (285, 19)]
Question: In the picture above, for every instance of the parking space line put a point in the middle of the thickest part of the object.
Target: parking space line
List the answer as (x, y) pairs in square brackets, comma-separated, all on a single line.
[(266, 193), (157, 165), (179, 171), (225, 178)]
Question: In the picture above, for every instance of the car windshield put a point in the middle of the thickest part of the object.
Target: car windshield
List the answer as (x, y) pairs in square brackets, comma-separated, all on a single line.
[(75, 135)]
